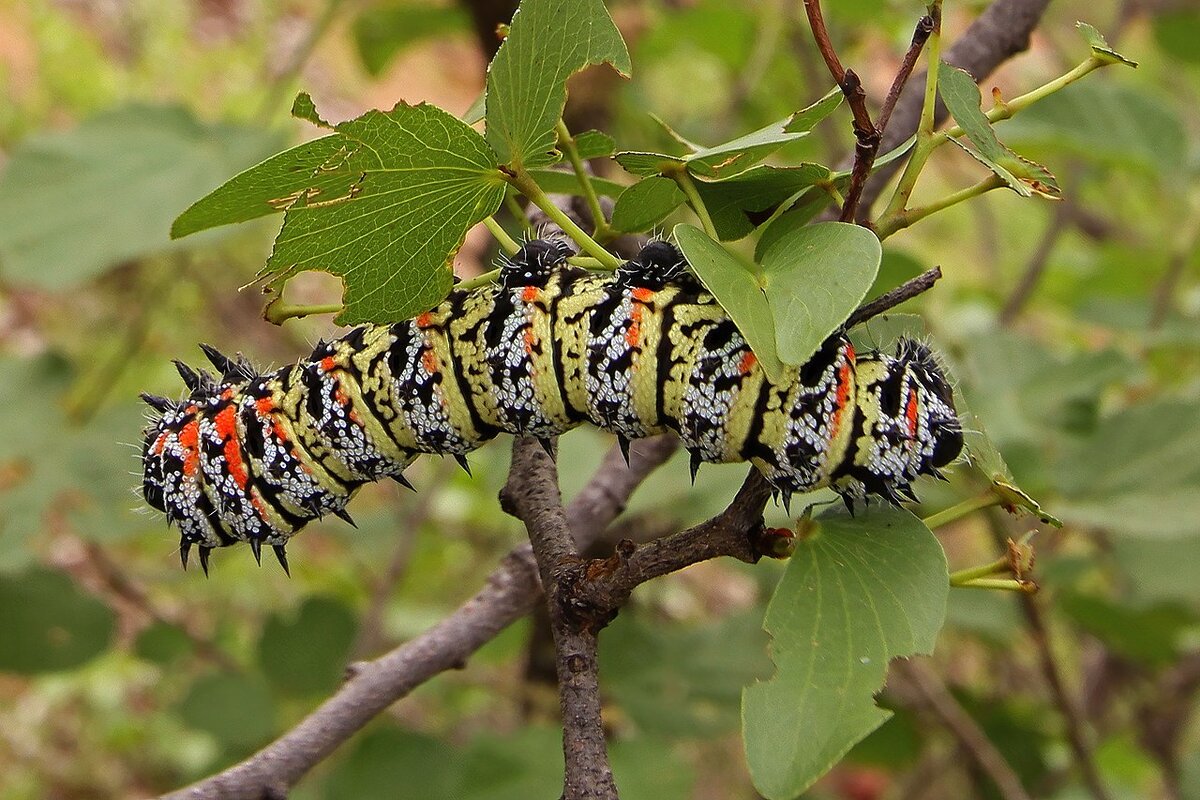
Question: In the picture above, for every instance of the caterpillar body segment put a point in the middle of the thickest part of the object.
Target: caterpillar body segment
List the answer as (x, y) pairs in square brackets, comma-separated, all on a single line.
[(642, 351)]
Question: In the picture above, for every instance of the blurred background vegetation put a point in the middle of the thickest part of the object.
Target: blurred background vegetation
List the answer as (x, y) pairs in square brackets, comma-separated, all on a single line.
[(1075, 325)]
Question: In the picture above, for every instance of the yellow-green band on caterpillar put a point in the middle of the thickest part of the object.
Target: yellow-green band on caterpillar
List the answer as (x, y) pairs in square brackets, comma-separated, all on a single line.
[(645, 350)]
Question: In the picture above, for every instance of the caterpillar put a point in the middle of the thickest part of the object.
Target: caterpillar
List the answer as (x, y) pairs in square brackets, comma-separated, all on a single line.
[(250, 457)]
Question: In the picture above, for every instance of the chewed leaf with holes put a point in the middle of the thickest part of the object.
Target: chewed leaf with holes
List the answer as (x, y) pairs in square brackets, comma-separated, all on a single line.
[(857, 593), (381, 203), (1023, 176)]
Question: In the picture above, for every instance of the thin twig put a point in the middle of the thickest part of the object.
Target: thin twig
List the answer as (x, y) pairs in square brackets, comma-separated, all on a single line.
[(996, 35), (1036, 266), (934, 696), (866, 136), (122, 585), (920, 36), (1067, 706), (894, 297)]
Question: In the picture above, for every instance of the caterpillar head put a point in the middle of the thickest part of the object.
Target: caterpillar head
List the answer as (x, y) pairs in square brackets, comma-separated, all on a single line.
[(655, 265), (940, 434), (534, 263), (906, 426)]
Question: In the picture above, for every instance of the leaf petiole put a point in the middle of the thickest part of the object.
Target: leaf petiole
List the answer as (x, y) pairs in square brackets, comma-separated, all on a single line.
[(277, 312), (529, 187), (600, 226), (681, 177), (507, 243), (956, 512), (891, 223)]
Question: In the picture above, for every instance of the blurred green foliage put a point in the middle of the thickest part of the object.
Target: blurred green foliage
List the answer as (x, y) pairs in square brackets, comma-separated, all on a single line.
[(124, 677)]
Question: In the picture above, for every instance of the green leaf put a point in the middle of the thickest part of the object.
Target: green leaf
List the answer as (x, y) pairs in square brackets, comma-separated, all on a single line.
[(381, 33), (961, 95), (730, 159), (678, 681), (736, 204), (304, 108), (648, 164), (556, 181), (1178, 34), (645, 204), (857, 593), (814, 278), (737, 289), (1107, 123), (235, 709), (594, 144), (49, 624), (307, 653), (1154, 636), (384, 203), (1100, 48), (547, 42), (162, 643), (75, 204)]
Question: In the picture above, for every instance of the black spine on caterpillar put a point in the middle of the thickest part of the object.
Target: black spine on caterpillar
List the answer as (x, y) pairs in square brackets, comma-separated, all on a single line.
[(254, 457)]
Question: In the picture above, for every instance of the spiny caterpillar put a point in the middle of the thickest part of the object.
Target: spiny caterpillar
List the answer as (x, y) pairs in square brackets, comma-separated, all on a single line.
[(252, 457)]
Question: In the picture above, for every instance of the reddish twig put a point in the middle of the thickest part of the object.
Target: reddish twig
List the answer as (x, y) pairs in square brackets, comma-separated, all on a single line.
[(925, 27), (866, 136)]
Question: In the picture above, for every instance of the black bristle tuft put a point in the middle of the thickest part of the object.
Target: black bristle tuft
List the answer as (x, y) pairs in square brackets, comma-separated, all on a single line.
[(191, 378), (223, 363), (462, 462), (256, 549), (281, 556), (695, 464), (344, 515), (403, 481), (548, 446), (204, 554), (185, 549), (160, 404), (623, 443)]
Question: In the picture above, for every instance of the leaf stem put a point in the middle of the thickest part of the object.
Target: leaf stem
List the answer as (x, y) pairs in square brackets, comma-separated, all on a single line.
[(490, 276), (587, 262), (514, 208), (508, 244), (960, 510), (277, 312), (925, 135), (529, 187), (1007, 110), (483, 279), (891, 223), (600, 226), (962, 576), (1003, 584), (688, 186)]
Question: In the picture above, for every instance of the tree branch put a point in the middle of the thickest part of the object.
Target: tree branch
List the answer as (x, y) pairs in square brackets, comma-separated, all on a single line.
[(511, 591), (927, 689), (532, 495), (894, 297)]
